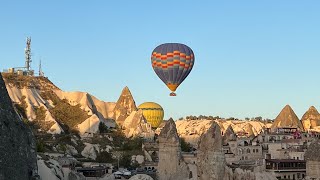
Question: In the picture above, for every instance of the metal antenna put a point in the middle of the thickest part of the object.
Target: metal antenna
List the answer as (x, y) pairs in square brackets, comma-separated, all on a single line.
[(27, 53), (40, 69)]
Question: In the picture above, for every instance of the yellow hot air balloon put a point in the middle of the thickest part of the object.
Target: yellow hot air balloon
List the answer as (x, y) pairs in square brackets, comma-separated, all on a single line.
[(153, 113)]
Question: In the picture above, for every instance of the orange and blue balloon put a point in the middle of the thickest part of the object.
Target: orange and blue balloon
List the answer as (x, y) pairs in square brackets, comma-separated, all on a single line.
[(172, 62)]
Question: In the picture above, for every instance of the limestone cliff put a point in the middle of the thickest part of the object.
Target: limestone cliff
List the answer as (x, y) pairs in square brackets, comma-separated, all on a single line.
[(171, 165), (17, 146)]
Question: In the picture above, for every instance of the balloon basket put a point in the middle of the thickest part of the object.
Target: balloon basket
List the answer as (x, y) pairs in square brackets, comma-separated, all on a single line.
[(173, 94)]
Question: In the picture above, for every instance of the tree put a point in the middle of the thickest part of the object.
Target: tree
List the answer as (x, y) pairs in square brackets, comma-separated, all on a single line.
[(104, 157), (125, 160), (185, 146), (259, 118), (102, 128), (40, 146)]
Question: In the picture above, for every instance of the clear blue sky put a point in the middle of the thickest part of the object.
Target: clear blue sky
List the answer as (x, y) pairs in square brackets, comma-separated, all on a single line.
[(252, 57)]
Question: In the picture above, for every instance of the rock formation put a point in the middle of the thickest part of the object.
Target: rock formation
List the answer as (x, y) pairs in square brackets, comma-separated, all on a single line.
[(229, 135), (191, 130), (18, 158), (287, 118), (210, 159), (171, 165), (312, 156), (311, 119), (141, 177), (124, 106), (137, 125)]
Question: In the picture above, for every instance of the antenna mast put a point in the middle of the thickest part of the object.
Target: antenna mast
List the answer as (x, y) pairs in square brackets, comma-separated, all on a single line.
[(40, 69), (27, 53)]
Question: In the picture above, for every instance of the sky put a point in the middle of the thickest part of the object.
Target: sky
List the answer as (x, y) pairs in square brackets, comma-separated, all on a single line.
[(251, 57)]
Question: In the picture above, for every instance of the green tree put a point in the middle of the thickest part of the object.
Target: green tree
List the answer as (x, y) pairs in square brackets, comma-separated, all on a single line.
[(125, 160), (185, 146), (40, 146), (103, 128), (104, 157)]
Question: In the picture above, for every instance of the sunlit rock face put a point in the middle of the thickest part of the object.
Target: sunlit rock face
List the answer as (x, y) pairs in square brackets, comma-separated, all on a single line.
[(210, 159), (17, 146), (311, 119), (124, 106), (171, 166), (287, 118), (136, 125)]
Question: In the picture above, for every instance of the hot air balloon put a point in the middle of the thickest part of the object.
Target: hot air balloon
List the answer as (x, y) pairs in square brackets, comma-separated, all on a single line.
[(172, 62), (153, 113)]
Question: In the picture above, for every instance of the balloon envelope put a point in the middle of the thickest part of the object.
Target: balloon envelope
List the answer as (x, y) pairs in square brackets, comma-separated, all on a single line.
[(153, 113), (172, 62)]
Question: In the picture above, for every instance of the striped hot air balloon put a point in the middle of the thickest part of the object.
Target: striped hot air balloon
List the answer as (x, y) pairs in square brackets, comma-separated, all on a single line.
[(172, 62)]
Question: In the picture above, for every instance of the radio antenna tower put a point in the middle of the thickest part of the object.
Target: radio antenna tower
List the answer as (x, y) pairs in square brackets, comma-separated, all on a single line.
[(40, 69), (27, 53)]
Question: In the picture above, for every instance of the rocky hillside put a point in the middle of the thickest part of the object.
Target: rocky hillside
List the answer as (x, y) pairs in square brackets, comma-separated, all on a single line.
[(17, 142), (52, 110), (287, 118)]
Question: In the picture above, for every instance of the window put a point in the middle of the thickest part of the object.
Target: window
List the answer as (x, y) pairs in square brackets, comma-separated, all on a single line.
[(254, 150), (298, 175), (257, 150), (297, 158)]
